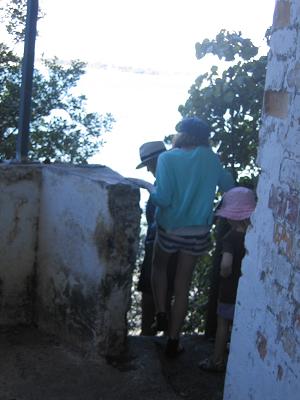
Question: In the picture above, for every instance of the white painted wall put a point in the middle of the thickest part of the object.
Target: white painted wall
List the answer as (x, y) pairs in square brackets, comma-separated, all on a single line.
[(19, 210), (68, 259), (264, 360), (68, 247)]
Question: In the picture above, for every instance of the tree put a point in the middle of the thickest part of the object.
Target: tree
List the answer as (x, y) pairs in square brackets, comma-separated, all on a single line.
[(61, 129), (230, 101), (13, 16)]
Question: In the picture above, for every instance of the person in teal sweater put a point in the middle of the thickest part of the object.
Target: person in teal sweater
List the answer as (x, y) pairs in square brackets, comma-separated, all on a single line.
[(187, 177)]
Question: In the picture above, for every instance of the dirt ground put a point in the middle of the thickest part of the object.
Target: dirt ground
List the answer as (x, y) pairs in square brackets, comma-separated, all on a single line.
[(35, 366)]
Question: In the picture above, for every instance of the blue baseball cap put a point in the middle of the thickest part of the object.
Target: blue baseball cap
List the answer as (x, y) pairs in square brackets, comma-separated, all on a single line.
[(194, 125)]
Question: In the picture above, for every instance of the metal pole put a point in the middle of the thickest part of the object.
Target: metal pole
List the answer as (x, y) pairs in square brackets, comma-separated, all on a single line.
[(26, 86)]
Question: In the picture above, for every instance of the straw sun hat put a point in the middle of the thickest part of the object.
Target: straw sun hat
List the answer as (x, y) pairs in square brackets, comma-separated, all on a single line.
[(150, 150)]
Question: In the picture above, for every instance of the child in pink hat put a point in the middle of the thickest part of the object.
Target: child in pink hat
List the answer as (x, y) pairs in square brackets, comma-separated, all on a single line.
[(237, 205)]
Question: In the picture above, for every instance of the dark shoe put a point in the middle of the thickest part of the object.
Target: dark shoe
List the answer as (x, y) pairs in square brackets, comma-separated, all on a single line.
[(173, 348), (209, 365), (161, 322)]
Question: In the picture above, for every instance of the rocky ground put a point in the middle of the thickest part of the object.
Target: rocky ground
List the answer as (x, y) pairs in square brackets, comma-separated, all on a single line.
[(35, 366)]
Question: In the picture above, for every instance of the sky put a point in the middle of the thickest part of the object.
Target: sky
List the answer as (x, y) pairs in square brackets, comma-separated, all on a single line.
[(141, 59)]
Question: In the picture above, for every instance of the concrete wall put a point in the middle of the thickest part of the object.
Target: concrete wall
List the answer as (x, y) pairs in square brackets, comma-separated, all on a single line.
[(19, 215), (88, 235), (72, 234), (264, 361)]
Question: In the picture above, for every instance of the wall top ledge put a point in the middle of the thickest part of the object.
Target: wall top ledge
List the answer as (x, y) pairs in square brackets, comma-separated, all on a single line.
[(95, 172)]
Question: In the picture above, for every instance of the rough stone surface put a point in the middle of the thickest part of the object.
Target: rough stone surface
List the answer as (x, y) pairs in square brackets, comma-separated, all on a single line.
[(264, 362), (69, 240), (84, 276), (276, 103), (19, 214), (37, 366), (282, 14)]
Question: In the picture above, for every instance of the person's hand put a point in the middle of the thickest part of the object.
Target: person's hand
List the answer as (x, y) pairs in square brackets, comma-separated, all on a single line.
[(225, 271), (142, 184)]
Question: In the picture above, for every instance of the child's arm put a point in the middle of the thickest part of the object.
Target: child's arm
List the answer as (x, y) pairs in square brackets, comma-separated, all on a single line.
[(226, 265)]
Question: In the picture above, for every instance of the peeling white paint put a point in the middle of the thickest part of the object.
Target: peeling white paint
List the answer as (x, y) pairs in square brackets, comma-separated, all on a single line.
[(283, 42), (19, 211), (264, 360), (69, 239)]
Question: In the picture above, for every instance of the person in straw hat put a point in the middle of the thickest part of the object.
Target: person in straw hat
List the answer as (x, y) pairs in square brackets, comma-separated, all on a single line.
[(149, 153)]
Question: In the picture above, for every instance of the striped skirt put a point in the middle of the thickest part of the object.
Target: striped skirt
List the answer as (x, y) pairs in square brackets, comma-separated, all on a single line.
[(192, 243)]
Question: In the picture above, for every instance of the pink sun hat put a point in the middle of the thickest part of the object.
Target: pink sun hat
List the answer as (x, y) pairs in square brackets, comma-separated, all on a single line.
[(237, 204)]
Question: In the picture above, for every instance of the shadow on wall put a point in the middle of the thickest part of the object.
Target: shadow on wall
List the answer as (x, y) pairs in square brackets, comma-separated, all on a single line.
[(71, 236)]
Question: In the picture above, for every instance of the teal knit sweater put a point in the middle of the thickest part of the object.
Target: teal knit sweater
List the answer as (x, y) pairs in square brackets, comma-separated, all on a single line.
[(186, 183)]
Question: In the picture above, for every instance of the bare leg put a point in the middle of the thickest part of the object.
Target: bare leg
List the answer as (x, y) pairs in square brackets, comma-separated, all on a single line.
[(222, 337), (185, 267), (171, 272), (159, 278)]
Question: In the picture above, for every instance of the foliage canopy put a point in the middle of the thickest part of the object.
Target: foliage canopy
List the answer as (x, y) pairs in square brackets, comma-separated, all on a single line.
[(61, 127), (231, 100)]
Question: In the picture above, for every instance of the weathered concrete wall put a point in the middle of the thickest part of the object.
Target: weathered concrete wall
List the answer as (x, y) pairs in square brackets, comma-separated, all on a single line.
[(68, 244), (19, 211), (88, 236), (264, 361)]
